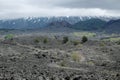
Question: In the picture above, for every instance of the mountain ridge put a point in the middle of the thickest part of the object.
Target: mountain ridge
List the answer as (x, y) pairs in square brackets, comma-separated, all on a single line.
[(78, 23)]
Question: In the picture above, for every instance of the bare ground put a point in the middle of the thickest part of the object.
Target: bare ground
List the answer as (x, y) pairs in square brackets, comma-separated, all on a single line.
[(24, 59)]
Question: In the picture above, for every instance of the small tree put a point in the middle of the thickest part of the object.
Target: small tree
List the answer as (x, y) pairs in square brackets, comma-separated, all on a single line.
[(84, 39), (65, 40), (45, 40)]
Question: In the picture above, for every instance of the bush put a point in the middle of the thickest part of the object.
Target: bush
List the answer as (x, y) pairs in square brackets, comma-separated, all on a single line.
[(84, 39), (65, 40), (45, 40), (102, 44), (118, 42), (75, 56), (36, 40), (9, 37)]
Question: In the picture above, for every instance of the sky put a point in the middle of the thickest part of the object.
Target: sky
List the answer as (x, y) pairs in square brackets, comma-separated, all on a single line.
[(42, 8)]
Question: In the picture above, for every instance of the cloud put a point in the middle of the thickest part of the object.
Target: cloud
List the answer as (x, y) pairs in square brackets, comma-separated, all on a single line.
[(103, 4), (36, 8)]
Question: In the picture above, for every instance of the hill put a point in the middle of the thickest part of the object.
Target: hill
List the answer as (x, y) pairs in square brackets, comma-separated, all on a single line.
[(113, 26), (91, 24)]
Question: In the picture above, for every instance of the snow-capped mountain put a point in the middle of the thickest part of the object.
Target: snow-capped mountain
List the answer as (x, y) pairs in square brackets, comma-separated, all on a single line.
[(40, 22)]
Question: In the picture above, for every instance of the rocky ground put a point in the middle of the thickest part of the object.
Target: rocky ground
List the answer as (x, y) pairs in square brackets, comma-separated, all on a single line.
[(43, 58)]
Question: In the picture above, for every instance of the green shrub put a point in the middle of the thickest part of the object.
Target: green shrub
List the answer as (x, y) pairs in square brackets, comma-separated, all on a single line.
[(9, 37), (102, 44), (65, 40), (36, 40), (45, 40), (84, 39), (118, 42)]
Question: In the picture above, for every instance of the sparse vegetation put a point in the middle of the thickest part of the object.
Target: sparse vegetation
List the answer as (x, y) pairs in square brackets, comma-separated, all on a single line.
[(65, 58), (75, 42), (65, 40), (62, 63), (9, 37), (112, 39), (45, 40), (91, 63), (118, 42), (76, 56), (87, 34), (84, 39), (36, 40), (102, 44)]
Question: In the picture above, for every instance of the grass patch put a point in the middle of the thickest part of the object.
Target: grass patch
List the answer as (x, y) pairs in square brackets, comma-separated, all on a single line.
[(9, 37), (102, 44), (112, 39), (115, 39), (76, 56), (87, 34)]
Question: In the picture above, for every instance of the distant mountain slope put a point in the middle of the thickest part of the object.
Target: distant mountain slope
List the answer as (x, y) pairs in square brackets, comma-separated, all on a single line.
[(33, 23), (59, 26), (112, 26), (22, 24), (63, 23), (91, 24)]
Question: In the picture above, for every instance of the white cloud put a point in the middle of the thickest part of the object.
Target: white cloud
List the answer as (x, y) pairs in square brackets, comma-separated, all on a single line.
[(26, 8)]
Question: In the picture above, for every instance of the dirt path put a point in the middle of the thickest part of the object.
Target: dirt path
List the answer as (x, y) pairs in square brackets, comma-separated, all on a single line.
[(67, 68), (40, 50)]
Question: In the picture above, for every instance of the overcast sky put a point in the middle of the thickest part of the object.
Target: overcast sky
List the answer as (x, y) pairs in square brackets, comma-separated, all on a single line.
[(37, 8)]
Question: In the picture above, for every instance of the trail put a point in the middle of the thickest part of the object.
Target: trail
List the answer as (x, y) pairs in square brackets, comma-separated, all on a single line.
[(40, 50), (67, 68)]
